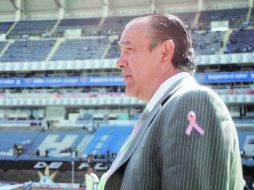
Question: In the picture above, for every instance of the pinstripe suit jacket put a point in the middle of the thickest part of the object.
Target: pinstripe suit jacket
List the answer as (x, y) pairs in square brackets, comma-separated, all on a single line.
[(163, 157)]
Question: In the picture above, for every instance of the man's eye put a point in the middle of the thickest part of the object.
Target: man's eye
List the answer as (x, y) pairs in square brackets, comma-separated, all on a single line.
[(129, 49)]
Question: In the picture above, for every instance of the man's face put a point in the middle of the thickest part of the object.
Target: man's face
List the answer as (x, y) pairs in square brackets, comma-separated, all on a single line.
[(89, 170), (139, 64)]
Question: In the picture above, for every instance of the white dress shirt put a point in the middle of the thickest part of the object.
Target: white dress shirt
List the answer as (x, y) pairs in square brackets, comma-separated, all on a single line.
[(163, 89)]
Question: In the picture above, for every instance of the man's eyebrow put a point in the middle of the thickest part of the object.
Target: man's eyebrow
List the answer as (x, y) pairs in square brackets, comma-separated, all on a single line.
[(120, 43)]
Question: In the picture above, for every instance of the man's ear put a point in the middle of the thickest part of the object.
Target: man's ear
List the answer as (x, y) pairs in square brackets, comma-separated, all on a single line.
[(168, 51)]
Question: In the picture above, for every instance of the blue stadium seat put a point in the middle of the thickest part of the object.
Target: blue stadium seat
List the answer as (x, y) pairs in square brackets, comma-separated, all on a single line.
[(235, 17), (9, 138), (207, 42), (81, 49), (240, 41), (27, 50), (4, 26), (89, 26), (32, 28), (108, 138)]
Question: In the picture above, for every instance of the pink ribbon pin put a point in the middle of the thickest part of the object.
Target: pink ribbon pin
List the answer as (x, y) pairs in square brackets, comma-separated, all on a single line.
[(193, 124)]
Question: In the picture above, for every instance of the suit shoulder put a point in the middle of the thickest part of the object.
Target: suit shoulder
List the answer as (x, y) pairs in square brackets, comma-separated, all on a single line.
[(198, 95), (196, 89)]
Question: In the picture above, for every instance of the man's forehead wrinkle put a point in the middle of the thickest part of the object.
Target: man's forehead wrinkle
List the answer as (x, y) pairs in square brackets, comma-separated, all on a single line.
[(130, 35)]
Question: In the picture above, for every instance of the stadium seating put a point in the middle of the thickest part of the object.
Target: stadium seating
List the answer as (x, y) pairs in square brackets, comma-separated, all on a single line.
[(89, 26), (246, 142), (251, 22), (187, 18), (5, 26), (207, 42), (80, 49), (113, 52), (241, 41), (108, 137), (2, 45), (32, 28), (235, 17), (27, 50), (56, 141), (114, 25), (9, 138), (248, 121)]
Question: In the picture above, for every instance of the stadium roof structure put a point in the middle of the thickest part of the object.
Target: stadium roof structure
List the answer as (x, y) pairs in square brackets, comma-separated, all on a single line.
[(28, 9)]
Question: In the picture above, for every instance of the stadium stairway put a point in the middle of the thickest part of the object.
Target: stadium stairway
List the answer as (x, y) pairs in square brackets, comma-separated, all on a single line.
[(225, 40), (84, 142), (109, 46), (107, 49), (248, 16), (55, 27), (10, 29), (196, 19), (57, 140), (6, 47), (54, 49), (108, 138), (101, 23)]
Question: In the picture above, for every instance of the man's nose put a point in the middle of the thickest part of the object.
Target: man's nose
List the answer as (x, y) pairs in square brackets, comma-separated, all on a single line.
[(121, 62)]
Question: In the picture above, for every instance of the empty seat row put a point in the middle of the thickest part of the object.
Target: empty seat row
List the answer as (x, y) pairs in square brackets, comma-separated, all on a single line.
[(80, 49), (27, 50), (240, 41)]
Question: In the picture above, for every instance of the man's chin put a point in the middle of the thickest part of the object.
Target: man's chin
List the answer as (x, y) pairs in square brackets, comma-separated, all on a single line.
[(129, 92)]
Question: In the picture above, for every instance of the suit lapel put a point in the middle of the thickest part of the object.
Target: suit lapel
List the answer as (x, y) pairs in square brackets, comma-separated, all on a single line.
[(132, 144)]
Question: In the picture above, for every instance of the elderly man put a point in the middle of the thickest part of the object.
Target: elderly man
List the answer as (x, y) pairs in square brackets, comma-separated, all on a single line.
[(186, 139)]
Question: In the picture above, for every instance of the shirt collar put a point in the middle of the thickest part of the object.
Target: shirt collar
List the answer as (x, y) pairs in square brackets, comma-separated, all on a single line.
[(163, 88)]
